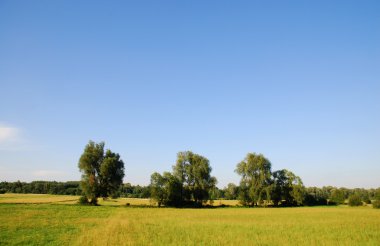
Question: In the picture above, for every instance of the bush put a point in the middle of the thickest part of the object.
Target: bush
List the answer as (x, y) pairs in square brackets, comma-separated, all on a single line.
[(376, 204), (355, 200), (83, 200), (2, 191), (310, 200)]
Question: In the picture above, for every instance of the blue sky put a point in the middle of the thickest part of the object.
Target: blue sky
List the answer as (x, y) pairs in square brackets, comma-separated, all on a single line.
[(298, 81)]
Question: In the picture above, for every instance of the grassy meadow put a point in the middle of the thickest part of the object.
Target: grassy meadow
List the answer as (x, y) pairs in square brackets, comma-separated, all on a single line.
[(49, 220)]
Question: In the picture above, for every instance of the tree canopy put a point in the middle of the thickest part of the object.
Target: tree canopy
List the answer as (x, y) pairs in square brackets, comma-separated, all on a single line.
[(260, 186), (102, 172), (255, 183), (190, 183)]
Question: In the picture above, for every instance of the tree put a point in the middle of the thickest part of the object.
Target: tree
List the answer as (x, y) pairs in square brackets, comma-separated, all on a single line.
[(172, 190), (102, 173), (231, 191), (255, 172), (376, 203), (111, 174), (193, 171), (190, 184), (337, 196), (315, 196), (157, 186), (354, 200), (288, 187), (165, 189)]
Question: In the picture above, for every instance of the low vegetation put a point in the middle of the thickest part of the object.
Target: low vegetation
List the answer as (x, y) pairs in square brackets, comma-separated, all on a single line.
[(57, 224)]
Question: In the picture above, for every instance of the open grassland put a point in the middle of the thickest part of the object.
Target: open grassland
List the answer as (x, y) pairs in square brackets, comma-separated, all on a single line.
[(65, 224), (37, 198), (63, 199), (11, 198)]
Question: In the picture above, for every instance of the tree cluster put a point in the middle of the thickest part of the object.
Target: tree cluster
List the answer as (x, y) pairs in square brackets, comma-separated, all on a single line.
[(190, 183), (102, 172), (259, 186)]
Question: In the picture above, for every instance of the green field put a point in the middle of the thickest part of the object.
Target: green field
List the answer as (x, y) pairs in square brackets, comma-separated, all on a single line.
[(51, 223)]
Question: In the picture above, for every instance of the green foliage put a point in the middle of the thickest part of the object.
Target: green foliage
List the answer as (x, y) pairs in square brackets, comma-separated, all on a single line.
[(42, 187), (157, 186), (376, 204), (255, 183), (287, 188), (231, 191), (337, 196), (83, 200), (377, 194), (315, 196), (193, 171), (102, 173), (190, 183), (111, 173), (259, 186), (355, 200)]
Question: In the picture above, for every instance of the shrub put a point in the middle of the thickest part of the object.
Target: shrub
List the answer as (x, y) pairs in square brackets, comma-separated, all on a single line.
[(2, 191), (310, 200), (83, 200), (355, 200), (376, 204)]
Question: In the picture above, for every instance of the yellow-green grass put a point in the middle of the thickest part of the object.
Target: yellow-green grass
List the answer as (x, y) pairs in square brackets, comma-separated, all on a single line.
[(66, 199), (58, 224), (37, 198)]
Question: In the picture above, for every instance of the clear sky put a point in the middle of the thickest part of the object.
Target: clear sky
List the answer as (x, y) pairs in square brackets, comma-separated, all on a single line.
[(298, 81)]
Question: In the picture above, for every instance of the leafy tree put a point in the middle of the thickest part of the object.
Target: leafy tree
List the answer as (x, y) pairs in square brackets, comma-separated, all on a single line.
[(231, 191), (173, 190), (157, 185), (111, 174), (255, 184), (193, 171), (337, 196), (165, 189), (376, 204), (287, 187), (315, 196), (102, 173), (355, 200)]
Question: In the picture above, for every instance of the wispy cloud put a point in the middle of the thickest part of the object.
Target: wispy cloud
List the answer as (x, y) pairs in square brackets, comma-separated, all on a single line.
[(9, 134), (13, 139)]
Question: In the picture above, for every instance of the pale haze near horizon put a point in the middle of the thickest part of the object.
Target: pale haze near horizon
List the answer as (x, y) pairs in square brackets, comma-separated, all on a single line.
[(298, 82)]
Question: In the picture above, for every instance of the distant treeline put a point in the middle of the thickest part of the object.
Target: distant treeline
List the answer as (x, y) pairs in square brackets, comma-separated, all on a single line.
[(68, 188), (313, 196), (327, 195)]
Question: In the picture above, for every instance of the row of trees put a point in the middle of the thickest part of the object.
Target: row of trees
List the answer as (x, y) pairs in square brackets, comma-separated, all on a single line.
[(69, 188), (314, 195), (190, 183), (42, 187)]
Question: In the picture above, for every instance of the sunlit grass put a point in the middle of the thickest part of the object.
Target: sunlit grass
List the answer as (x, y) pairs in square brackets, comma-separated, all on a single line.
[(37, 198), (58, 224), (65, 199)]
